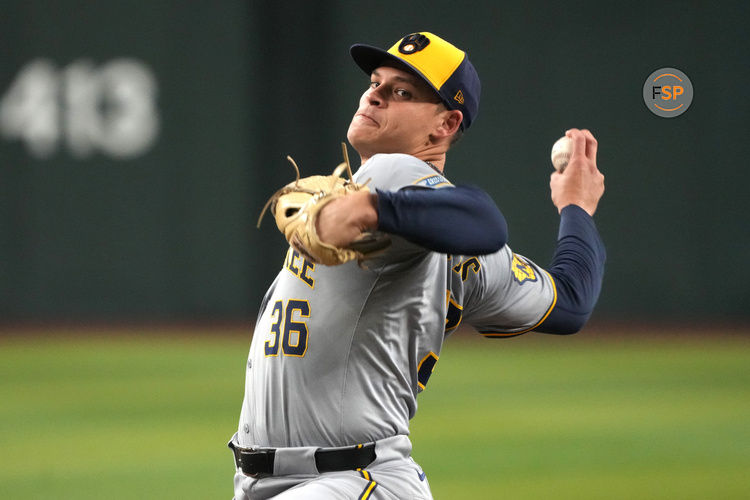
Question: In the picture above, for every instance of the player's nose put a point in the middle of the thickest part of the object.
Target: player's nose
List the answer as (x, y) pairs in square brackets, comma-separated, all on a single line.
[(373, 97)]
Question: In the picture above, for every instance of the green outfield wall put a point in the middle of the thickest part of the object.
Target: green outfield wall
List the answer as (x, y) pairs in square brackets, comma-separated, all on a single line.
[(139, 141)]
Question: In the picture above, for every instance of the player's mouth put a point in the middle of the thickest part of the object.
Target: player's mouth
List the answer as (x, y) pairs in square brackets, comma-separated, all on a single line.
[(368, 118)]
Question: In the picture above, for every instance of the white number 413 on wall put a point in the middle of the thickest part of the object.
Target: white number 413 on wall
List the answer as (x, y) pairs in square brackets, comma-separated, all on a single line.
[(110, 109)]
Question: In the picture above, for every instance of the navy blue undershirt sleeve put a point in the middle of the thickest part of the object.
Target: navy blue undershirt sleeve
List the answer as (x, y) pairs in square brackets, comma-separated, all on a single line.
[(456, 220), (578, 270)]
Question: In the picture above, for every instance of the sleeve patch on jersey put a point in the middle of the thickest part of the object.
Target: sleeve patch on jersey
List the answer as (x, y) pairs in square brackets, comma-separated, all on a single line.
[(425, 369), (432, 181), (522, 271)]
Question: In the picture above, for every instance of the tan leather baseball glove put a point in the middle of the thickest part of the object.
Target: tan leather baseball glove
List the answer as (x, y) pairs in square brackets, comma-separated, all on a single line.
[(296, 207)]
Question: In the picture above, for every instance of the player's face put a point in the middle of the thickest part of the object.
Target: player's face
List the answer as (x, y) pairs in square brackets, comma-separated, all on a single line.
[(396, 114)]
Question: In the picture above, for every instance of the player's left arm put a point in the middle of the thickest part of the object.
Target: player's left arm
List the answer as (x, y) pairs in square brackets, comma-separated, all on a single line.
[(454, 220)]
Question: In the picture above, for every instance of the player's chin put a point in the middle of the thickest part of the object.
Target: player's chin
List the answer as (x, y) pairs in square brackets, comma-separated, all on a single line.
[(359, 137)]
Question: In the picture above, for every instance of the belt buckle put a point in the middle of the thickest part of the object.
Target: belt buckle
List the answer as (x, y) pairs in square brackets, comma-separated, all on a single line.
[(239, 461), (248, 452), (268, 454)]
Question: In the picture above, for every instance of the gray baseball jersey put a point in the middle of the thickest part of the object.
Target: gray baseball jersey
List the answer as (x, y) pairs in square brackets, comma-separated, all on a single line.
[(340, 353)]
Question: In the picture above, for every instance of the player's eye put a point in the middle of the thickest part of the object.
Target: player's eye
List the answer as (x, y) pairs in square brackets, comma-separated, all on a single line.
[(403, 93), (374, 84)]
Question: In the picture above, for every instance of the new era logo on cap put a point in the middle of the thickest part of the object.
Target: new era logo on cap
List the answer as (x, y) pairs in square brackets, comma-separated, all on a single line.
[(443, 66)]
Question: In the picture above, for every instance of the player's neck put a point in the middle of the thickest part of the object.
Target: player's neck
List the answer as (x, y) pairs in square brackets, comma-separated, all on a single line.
[(436, 163), (432, 153)]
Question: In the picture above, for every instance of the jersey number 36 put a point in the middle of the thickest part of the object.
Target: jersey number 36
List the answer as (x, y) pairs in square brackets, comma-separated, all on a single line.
[(287, 333)]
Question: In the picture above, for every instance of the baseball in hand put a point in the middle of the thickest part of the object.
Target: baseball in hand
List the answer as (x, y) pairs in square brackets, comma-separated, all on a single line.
[(561, 153)]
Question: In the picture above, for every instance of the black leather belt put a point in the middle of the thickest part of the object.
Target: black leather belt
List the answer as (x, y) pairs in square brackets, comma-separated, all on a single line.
[(255, 463)]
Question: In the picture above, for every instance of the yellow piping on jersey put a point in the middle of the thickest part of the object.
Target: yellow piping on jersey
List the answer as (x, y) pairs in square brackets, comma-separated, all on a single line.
[(552, 306)]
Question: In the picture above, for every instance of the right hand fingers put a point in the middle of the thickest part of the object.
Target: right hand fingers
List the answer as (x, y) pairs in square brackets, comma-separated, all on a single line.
[(591, 145), (578, 144), (584, 146)]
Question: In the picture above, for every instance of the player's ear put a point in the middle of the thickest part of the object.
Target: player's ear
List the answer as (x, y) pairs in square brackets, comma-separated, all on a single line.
[(450, 121)]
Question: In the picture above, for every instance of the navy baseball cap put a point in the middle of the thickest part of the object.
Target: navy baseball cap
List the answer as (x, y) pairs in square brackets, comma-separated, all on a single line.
[(443, 66)]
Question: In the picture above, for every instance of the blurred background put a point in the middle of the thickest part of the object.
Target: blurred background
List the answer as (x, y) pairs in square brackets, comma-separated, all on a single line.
[(140, 140)]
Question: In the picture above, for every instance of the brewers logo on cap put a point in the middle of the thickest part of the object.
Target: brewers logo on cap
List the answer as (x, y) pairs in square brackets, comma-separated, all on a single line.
[(413, 43)]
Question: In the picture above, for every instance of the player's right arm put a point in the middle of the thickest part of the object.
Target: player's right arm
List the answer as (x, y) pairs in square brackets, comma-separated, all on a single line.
[(560, 299), (578, 264), (577, 269), (506, 294)]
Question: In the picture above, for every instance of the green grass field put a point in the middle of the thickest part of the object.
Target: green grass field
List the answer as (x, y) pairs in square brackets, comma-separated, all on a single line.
[(148, 415)]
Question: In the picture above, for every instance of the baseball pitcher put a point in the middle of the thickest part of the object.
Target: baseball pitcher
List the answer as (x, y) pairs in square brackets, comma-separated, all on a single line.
[(383, 264)]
